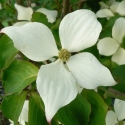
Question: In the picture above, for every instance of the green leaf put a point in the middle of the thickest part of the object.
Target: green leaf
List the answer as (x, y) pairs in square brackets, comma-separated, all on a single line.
[(56, 26), (107, 27), (119, 74), (3, 1), (41, 18), (56, 36), (111, 22), (7, 52), (123, 42), (106, 33), (106, 61), (92, 50), (36, 111), (99, 107), (12, 106), (114, 93), (119, 87), (76, 113), (103, 21), (19, 75)]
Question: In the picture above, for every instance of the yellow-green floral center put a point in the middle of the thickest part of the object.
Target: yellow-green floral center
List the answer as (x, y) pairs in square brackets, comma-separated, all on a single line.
[(64, 55), (120, 123)]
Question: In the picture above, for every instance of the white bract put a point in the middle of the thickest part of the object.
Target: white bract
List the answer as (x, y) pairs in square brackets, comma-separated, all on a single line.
[(112, 46), (57, 82), (25, 13), (107, 4), (118, 115), (109, 11), (23, 115)]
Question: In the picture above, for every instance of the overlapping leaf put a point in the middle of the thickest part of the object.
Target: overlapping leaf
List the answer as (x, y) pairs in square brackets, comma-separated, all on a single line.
[(12, 106), (19, 75), (7, 52)]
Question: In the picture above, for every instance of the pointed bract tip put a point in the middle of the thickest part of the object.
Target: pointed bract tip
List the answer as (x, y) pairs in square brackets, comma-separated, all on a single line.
[(49, 122), (1, 31), (48, 118)]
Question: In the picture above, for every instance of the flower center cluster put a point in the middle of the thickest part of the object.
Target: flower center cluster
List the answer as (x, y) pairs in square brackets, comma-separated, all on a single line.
[(64, 55), (120, 123)]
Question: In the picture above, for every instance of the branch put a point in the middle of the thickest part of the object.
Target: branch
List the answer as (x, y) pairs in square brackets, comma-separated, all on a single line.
[(19, 2), (28, 3), (81, 2), (66, 6), (113, 93), (58, 3)]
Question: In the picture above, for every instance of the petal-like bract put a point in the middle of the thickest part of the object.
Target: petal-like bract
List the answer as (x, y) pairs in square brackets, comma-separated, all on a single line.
[(110, 2), (118, 30), (79, 30), (104, 13), (20, 23), (24, 13), (121, 8), (103, 5), (119, 56), (89, 72), (56, 86), (51, 14), (119, 107), (107, 46), (114, 7), (111, 118), (34, 40)]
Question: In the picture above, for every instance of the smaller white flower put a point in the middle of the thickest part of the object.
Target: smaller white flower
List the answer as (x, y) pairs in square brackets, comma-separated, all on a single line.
[(116, 116), (0, 6), (116, 7), (103, 5), (112, 46), (110, 2), (107, 4), (23, 115), (25, 13), (33, 4)]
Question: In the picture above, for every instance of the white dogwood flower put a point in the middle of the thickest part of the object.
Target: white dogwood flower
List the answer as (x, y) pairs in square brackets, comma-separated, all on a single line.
[(116, 7), (56, 82), (25, 13), (112, 46), (118, 115), (107, 4)]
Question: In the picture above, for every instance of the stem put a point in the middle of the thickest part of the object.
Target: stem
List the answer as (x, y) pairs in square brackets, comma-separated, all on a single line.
[(28, 3), (58, 3), (113, 93), (19, 2), (81, 3), (80, 6), (66, 6)]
